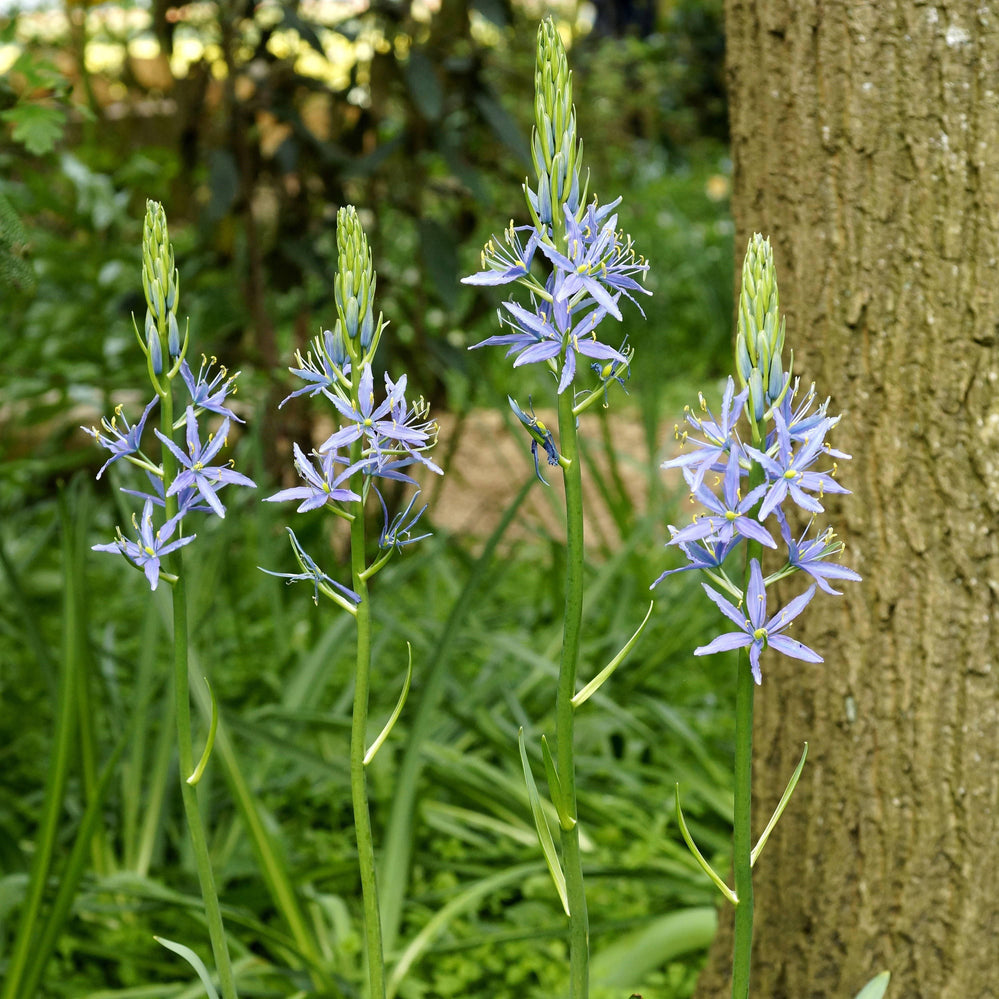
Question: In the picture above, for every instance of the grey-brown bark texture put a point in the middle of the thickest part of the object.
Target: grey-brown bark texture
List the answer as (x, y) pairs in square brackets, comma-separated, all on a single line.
[(866, 143)]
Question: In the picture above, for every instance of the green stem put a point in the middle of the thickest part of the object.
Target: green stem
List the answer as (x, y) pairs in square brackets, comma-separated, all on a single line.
[(182, 711), (579, 931), (742, 836), (358, 734)]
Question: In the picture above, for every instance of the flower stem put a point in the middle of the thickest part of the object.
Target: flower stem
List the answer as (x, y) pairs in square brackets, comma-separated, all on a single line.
[(189, 793), (358, 785), (742, 837), (182, 711), (579, 931), (742, 834)]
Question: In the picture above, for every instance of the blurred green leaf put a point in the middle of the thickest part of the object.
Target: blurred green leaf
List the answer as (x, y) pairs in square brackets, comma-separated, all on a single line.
[(424, 86), (624, 963), (440, 258), (38, 127)]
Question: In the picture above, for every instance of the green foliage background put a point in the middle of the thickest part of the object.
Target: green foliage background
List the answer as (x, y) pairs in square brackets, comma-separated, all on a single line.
[(428, 138)]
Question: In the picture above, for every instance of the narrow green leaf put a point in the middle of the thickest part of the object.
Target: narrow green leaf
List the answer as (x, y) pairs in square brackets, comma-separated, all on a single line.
[(876, 987), (212, 728), (394, 717), (597, 682), (194, 961), (704, 865), (781, 805), (566, 820), (623, 963), (541, 824)]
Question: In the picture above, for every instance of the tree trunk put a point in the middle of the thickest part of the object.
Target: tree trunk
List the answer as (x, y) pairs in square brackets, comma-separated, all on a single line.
[(866, 144)]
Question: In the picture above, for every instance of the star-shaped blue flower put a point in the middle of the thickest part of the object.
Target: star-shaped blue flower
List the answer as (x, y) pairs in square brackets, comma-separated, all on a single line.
[(708, 556), (208, 392), (719, 435), (756, 631), (323, 484), (151, 545), (197, 470), (120, 441), (789, 471), (811, 555), (502, 265), (729, 514), (386, 422)]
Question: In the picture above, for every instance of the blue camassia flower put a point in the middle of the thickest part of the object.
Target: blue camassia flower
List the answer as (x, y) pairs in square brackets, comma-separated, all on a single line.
[(719, 436), (151, 545), (210, 393), (327, 373), (811, 556), (788, 471), (188, 500), (756, 631), (542, 335), (323, 485), (501, 266), (311, 573), (729, 513), (376, 423), (197, 471), (398, 533), (121, 441), (598, 264), (708, 556)]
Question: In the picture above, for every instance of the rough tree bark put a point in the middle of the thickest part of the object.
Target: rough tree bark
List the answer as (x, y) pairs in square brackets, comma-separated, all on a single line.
[(866, 143)]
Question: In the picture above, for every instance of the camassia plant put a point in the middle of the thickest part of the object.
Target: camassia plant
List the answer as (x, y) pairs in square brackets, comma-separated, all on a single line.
[(762, 462), (185, 483), (576, 266), (374, 442)]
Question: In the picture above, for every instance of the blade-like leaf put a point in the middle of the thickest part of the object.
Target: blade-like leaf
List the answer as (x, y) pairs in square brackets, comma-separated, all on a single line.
[(194, 961), (566, 820), (595, 684), (779, 810), (541, 824), (210, 742), (394, 717)]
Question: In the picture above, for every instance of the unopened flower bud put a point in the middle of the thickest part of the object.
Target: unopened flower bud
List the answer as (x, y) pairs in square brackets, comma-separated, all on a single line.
[(334, 347), (160, 283), (354, 286), (554, 148), (760, 338), (173, 335), (757, 395), (153, 345)]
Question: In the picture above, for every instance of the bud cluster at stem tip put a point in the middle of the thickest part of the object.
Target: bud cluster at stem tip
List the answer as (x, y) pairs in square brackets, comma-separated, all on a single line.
[(555, 150), (760, 339), (161, 285), (354, 289)]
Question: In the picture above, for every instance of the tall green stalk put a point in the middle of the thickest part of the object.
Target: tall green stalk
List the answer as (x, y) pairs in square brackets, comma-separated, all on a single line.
[(382, 439), (358, 735), (182, 713), (742, 841), (742, 832), (579, 930)]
